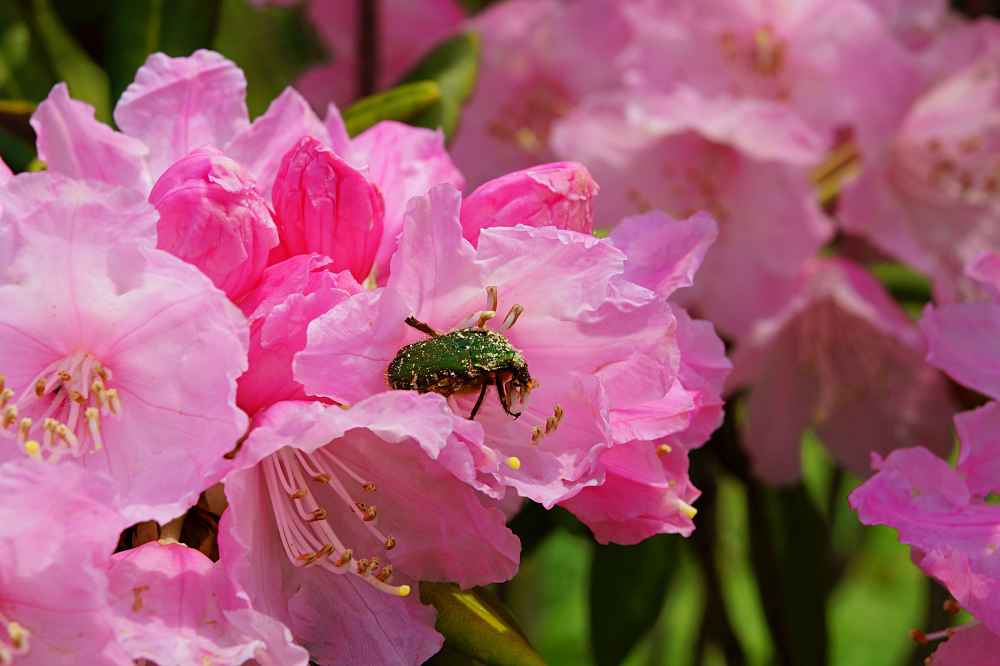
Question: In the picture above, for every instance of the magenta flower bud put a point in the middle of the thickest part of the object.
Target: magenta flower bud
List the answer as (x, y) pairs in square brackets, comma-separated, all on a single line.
[(559, 194), (323, 205), (212, 216)]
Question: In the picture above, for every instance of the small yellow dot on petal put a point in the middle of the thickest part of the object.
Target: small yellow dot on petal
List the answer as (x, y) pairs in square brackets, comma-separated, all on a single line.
[(513, 462), (32, 448), (403, 590)]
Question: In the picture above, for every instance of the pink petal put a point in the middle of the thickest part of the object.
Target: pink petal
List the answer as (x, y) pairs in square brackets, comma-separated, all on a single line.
[(175, 607), (323, 205), (212, 216), (556, 195), (985, 269), (73, 143), (290, 295), (645, 238), (262, 147), (971, 646), (979, 456), (404, 162), (54, 581), (961, 340), (5, 173), (171, 343), (178, 104)]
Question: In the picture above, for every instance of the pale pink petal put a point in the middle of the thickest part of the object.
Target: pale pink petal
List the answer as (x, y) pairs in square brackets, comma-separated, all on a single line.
[(261, 148), (73, 143), (5, 173), (178, 104), (404, 162), (556, 195), (646, 491), (979, 456), (664, 254), (961, 340), (53, 582), (174, 607), (290, 295), (985, 269), (212, 216), (324, 205), (115, 313), (340, 140), (972, 646)]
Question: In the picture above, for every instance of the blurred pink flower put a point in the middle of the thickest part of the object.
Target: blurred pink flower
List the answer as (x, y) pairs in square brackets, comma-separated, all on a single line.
[(841, 357), (173, 606), (928, 192), (114, 354), (972, 646), (57, 532), (212, 216), (606, 353), (338, 513)]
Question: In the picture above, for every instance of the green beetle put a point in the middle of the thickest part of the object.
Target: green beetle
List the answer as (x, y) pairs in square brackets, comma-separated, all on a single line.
[(465, 360)]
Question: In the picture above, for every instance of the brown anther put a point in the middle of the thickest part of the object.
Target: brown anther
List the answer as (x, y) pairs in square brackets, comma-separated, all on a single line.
[(363, 566), (137, 597), (384, 573), (5, 395), (550, 424), (298, 494), (322, 478), (324, 551), (64, 376), (918, 637), (368, 511), (317, 515), (9, 416), (24, 427), (368, 487), (343, 558), (558, 412), (3, 381), (951, 607), (307, 558), (390, 542), (40, 388), (102, 372), (536, 434), (77, 397)]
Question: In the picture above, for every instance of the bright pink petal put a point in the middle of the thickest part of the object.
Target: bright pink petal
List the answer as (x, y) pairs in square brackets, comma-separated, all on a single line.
[(985, 269), (112, 312), (290, 295), (53, 582), (404, 162), (646, 492), (961, 340), (178, 104), (5, 173), (73, 143), (212, 216), (556, 195), (324, 205), (979, 457), (174, 607), (971, 646), (261, 148)]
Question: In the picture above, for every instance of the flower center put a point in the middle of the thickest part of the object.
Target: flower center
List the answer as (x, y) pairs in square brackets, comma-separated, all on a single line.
[(13, 640), (59, 413), (306, 535), (527, 120)]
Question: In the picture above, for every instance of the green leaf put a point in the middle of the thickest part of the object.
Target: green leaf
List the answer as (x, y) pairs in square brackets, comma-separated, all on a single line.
[(86, 80), (401, 103), (141, 27), (628, 585), (24, 67), (272, 45), (474, 623), (453, 64), (903, 283)]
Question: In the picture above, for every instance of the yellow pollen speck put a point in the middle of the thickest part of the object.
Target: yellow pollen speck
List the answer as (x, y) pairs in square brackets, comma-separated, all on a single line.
[(403, 590), (33, 448), (513, 462), (686, 509), (663, 448)]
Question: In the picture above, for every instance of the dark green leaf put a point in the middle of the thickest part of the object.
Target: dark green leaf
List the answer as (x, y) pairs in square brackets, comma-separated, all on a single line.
[(453, 65), (86, 80), (401, 103), (902, 282), (272, 45), (627, 587), (14, 117), (24, 69), (16, 152), (475, 624)]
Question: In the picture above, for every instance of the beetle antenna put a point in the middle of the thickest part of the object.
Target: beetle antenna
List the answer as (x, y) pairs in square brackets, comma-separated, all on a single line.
[(479, 401), (421, 326)]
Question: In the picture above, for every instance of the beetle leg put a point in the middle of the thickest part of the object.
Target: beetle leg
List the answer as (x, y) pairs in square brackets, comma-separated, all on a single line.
[(421, 326), (479, 401), (512, 316), (505, 397)]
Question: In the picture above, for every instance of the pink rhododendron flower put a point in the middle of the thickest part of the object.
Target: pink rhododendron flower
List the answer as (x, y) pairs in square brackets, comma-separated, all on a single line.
[(406, 30), (972, 646), (324, 205), (928, 192), (688, 164), (174, 607), (212, 216), (604, 352), (57, 531), (114, 354), (290, 295), (843, 358), (340, 512), (558, 195)]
